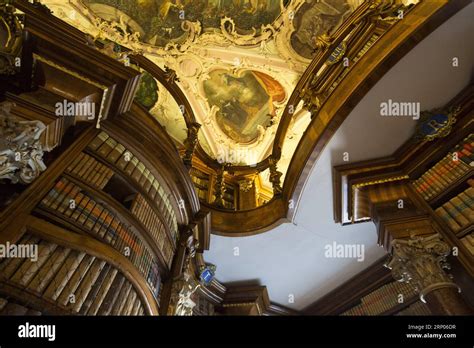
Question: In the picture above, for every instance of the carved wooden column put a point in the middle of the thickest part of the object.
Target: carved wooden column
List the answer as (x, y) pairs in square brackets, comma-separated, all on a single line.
[(178, 289), (219, 187), (422, 262), (275, 176), (190, 144)]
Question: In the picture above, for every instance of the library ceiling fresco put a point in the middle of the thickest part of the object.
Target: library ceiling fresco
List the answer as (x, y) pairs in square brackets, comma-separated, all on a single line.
[(237, 61)]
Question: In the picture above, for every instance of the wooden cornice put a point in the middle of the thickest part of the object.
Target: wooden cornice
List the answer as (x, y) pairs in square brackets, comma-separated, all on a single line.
[(67, 46), (349, 294)]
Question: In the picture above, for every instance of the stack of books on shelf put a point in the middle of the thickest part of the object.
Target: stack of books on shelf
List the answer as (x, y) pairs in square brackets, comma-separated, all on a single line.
[(455, 165), (418, 308), (78, 208), (458, 212), (201, 183), (115, 153), (228, 196), (90, 170), (383, 299), (73, 280), (145, 214), (468, 242)]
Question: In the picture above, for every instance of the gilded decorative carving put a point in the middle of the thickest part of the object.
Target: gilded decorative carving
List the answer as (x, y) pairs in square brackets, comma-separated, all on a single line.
[(219, 187), (190, 143), (245, 185), (21, 152), (422, 262), (275, 176), (11, 39), (436, 123), (170, 75)]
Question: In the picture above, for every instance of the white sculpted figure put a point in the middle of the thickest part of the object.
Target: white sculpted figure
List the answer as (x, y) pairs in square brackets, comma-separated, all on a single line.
[(21, 152)]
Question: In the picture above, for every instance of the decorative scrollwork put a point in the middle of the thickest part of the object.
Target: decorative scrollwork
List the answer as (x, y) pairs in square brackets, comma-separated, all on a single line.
[(21, 152), (229, 31)]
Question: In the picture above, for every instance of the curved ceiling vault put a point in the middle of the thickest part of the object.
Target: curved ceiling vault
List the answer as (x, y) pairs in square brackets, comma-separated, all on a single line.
[(289, 259), (264, 83)]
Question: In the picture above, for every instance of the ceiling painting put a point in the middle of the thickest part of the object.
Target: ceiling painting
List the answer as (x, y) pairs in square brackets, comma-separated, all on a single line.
[(237, 62), (245, 102), (162, 21), (147, 94), (314, 18)]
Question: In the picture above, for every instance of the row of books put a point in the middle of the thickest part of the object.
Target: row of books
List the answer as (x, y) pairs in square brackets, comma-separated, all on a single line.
[(418, 308), (116, 154), (143, 212), (458, 212), (383, 299), (79, 208), (73, 279), (452, 167), (468, 242), (9, 308), (90, 170)]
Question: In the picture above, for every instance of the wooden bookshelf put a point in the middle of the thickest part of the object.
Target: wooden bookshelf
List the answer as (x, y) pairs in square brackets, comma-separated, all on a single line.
[(139, 189), (121, 165), (110, 223)]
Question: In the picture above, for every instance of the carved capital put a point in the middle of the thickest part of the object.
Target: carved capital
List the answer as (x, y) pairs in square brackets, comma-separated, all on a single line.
[(422, 262)]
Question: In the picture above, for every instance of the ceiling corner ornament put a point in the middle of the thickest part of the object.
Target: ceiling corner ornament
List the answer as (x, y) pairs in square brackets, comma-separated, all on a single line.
[(323, 41), (245, 185), (11, 42), (229, 30), (170, 75), (421, 261), (21, 152), (436, 123)]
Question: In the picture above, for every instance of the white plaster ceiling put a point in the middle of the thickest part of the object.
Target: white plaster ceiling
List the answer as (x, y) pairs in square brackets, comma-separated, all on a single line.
[(290, 259)]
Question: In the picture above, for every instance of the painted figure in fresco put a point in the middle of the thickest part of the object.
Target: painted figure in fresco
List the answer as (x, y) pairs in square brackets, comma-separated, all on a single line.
[(245, 102), (317, 17), (161, 20)]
